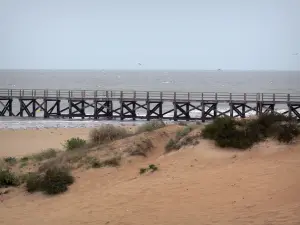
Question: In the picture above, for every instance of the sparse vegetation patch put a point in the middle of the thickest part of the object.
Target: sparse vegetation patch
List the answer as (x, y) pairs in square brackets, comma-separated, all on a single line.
[(107, 133), (141, 147), (74, 143), (227, 132), (150, 126), (151, 168)]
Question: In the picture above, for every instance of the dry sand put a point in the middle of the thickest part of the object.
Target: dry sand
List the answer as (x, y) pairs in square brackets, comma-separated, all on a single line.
[(194, 186), (24, 142)]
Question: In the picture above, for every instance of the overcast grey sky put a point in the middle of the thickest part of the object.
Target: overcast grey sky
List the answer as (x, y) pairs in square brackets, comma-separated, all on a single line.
[(159, 34)]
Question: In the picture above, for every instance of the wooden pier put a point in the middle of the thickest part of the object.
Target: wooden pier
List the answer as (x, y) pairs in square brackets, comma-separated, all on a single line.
[(97, 104)]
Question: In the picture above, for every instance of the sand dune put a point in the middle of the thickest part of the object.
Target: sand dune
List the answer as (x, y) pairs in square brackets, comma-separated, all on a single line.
[(196, 185)]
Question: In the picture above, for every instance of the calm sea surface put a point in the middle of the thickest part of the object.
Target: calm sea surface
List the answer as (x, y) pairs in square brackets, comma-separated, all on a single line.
[(198, 81)]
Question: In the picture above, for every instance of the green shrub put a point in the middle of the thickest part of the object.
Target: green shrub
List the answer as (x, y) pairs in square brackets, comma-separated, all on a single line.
[(74, 143), (107, 133), (56, 180), (34, 182), (45, 154), (228, 132), (151, 126), (153, 167), (10, 160), (170, 145), (8, 178)]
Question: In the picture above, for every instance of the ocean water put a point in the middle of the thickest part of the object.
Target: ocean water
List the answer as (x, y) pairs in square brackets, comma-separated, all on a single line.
[(167, 80)]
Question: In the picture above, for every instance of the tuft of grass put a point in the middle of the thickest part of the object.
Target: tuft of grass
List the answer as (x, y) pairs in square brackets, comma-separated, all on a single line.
[(93, 162), (8, 178), (150, 126), (113, 162), (152, 168), (74, 143), (10, 160), (45, 154), (143, 170), (107, 133), (170, 145), (56, 181), (25, 159), (182, 139), (183, 132), (23, 164), (141, 147)]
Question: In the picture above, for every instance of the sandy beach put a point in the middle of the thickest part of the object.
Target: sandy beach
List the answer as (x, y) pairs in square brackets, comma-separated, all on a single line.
[(24, 142), (196, 185)]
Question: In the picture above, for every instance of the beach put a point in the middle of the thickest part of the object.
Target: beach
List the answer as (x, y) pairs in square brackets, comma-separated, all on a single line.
[(198, 184)]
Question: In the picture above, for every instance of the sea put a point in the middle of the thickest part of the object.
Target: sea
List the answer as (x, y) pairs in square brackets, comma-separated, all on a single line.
[(140, 80)]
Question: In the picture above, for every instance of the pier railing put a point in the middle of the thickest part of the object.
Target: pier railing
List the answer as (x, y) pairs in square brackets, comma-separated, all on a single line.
[(149, 95)]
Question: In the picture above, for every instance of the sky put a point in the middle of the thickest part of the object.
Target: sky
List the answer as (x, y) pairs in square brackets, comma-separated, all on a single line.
[(150, 34)]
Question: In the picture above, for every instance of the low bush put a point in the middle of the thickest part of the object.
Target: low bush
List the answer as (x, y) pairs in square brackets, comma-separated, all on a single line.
[(150, 126), (10, 160), (107, 133), (227, 132), (56, 180), (8, 178), (33, 182), (45, 154), (287, 132), (74, 143)]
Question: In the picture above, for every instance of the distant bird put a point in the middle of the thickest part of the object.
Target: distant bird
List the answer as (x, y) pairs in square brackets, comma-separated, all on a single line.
[(296, 53), (139, 64)]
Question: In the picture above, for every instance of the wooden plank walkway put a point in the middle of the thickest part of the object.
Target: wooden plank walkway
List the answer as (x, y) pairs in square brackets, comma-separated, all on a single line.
[(142, 104)]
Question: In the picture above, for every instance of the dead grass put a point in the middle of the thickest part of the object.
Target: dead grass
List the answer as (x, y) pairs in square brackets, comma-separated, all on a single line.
[(141, 147), (107, 133), (150, 126)]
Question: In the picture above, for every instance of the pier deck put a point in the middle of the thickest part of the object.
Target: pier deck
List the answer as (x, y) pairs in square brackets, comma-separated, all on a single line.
[(148, 105)]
